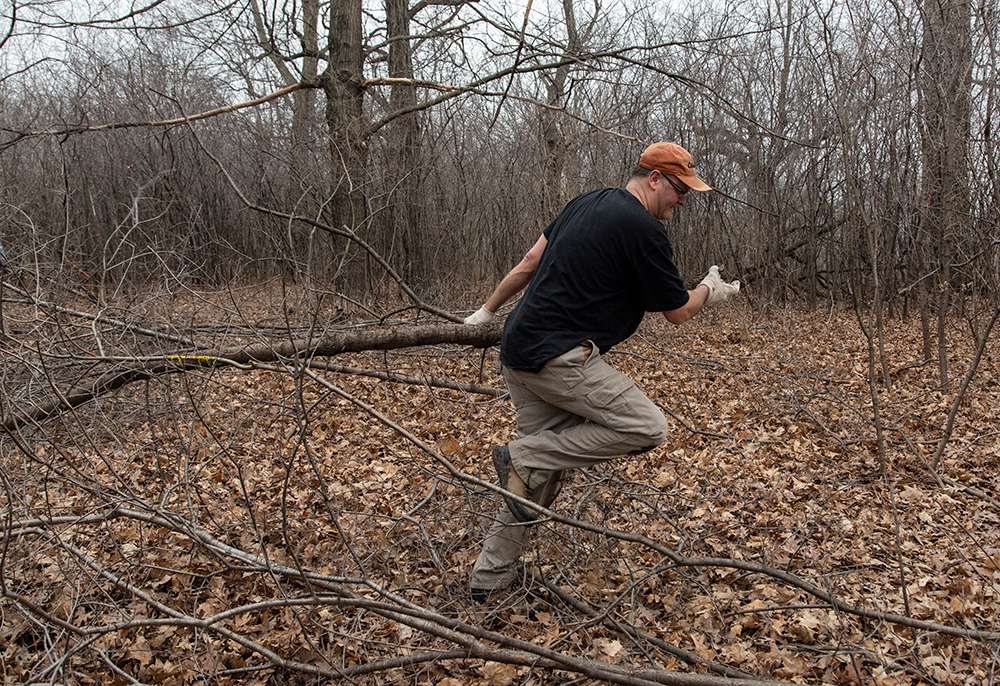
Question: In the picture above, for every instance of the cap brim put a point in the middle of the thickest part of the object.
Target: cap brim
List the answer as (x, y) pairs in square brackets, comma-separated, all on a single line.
[(694, 183)]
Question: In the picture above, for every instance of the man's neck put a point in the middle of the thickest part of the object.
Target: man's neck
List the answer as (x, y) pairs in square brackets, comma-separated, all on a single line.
[(639, 189)]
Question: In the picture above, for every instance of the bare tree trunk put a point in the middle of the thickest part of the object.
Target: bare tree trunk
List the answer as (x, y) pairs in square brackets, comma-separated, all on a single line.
[(946, 93), (342, 83), (304, 117), (405, 156), (305, 187), (554, 140)]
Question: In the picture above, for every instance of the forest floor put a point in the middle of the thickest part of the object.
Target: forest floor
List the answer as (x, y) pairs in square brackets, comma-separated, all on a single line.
[(285, 525)]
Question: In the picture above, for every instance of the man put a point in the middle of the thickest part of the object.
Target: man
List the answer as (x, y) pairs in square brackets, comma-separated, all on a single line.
[(595, 271)]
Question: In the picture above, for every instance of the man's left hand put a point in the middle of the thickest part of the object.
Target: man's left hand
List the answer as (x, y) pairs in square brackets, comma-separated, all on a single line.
[(718, 290)]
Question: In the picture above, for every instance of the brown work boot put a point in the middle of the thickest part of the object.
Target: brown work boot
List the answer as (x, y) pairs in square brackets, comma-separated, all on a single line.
[(481, 595), (510, 481)]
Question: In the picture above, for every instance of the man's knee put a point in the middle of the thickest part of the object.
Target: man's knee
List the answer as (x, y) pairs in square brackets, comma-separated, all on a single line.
[(659, 433), (654, 434)]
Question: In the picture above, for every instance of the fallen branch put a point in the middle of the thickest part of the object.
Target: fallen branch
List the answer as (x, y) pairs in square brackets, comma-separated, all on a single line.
[(337, 591), (100, 318), (637, 634), (345, 341), (676, 558)]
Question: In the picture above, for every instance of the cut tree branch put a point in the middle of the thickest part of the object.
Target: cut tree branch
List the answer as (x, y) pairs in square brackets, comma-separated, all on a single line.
[(346, 341)]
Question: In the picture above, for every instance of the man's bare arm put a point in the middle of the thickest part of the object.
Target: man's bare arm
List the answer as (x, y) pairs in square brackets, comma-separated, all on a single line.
[(518, 278), (710, 291), (513, 283), (695, 303)]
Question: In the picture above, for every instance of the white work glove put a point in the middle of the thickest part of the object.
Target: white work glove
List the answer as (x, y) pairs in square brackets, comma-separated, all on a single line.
[(718, 290), (480, 316)]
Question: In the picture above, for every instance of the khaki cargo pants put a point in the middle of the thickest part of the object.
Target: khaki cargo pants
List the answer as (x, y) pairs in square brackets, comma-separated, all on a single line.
[(576, 412)]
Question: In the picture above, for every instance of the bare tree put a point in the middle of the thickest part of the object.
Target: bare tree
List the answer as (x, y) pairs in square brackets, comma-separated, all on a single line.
[(208, 475), (945, 91)]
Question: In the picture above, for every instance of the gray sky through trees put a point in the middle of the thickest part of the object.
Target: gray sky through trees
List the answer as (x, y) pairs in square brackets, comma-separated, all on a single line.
[(781, 104)]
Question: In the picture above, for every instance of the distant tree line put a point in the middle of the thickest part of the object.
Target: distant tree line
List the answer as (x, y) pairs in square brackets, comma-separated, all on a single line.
[(852, 145)]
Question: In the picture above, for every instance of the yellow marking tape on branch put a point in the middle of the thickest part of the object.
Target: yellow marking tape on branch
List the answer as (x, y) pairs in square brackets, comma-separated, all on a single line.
[(184, 360)]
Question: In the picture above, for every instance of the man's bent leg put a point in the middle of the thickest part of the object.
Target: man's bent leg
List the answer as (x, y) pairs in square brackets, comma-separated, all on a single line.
[(536, 415), (496, 566), (621, 419)]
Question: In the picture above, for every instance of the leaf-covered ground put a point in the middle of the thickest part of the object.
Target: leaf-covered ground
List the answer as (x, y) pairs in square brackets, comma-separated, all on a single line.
[(288, 525)]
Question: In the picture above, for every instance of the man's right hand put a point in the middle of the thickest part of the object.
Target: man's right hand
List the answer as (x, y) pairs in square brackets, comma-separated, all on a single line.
[(480, 316), (718, 290)]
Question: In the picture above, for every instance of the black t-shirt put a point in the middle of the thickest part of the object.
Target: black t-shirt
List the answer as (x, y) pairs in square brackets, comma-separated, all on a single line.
[(607, 261)]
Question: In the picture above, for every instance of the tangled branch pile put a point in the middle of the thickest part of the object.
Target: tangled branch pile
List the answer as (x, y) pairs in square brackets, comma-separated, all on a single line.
[(295, 520)]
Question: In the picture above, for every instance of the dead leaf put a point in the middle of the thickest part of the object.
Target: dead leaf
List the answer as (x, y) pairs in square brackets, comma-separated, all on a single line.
[(498, 673)]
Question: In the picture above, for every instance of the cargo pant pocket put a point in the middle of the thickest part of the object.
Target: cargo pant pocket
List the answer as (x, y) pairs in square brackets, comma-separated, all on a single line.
[(611, 400)]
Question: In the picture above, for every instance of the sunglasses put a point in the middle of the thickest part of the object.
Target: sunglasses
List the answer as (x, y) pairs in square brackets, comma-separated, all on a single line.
[(680, 191)]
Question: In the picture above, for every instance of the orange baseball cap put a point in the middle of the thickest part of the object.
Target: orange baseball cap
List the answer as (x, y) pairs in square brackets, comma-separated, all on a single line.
[(670, 158)]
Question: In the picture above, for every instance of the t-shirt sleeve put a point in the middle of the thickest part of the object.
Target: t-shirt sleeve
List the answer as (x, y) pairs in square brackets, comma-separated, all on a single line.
[(661, 286)]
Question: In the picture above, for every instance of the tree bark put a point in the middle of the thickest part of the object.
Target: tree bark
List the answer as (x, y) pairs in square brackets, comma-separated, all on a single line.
[(946, 91), (342, 84), (556, 144), (404, 138), (346, 341)]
